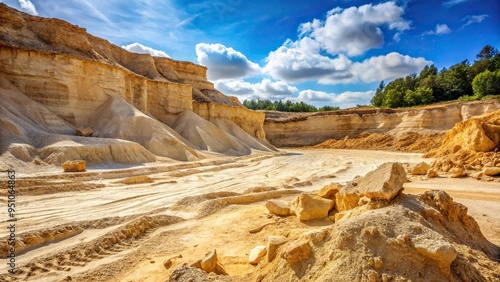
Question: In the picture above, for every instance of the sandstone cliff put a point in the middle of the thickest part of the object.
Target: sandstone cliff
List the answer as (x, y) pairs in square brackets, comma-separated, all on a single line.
[(289, 130), (85, 81)]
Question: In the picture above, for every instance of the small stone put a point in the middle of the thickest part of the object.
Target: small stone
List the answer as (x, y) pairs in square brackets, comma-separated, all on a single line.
[(74, 166), (372, 276), (310, 207), (209, 262), (432, 174), (220, 270), (491, 171), (273, 243), (329, 191), (167, 263), (152, 261), (456, 172), (278, 207), (85, 132), (420, 169), (257, 254)]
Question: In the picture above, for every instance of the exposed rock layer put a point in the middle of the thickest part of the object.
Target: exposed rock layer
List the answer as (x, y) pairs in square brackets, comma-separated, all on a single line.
[(290, 129)]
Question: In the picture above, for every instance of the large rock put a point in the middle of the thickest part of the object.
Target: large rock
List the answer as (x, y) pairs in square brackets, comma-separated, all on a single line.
[(329, 191), (278, 207), (257, 254), (381, 184), (420, 169), (74, 166), (310, 207)]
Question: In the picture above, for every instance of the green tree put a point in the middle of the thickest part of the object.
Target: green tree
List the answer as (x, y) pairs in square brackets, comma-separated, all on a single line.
[(378, 99), (486, 83), (422, 95)]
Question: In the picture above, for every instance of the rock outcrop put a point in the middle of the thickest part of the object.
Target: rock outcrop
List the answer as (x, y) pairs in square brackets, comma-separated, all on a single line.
[(428, 237), (470, 147), (307, 129)]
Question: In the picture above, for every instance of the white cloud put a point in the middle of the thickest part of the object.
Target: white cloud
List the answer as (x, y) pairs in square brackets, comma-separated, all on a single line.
[(293, 64), (357, 29), (301, 61), (266, 89), (387, 67), (440, 29), (141, 49), (451, 3), (343, 100), (225, 62), (28, 7), (474, 19)]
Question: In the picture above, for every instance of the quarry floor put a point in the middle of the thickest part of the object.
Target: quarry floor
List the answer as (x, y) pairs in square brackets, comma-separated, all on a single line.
[(105, 199)]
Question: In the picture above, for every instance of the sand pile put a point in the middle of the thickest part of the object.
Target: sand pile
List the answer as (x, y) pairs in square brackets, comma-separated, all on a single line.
[(384, 235), (408, 142), (118, 119), (31, 133), (470, 148), (204, 135)]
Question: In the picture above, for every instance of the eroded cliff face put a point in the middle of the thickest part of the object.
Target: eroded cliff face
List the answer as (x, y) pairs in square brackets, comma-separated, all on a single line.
[(70, 71), (288, 130), (73, 75)]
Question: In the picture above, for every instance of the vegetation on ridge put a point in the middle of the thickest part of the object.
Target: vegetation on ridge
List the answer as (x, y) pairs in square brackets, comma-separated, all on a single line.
[(461, 81), (287, 106)]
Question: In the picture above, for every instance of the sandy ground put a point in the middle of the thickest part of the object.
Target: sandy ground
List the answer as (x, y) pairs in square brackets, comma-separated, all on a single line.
[(104, 206)]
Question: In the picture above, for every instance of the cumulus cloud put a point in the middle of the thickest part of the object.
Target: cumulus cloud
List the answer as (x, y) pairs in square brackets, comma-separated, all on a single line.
[(343, 100), (357, 29), (322, 50), (225, 62), (28, 7), (387, 67), (474, 19), (141, 49), (292, 64), (266, 89), (440, 29), (301, 61)]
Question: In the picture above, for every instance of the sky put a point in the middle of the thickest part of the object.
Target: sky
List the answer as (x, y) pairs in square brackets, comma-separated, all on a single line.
[(324, 52)]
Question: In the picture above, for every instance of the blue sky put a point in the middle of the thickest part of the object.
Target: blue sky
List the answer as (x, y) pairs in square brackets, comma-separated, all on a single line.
[(325, 52)]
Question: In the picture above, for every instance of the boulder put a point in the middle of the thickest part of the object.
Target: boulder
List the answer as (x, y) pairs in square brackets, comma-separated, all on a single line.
[(432, 174), (310, 207), (209, 262), (273, 243), (256, 254), (278, 207), (456, 172), (420, 169), (297, 252), (381, 184), (491, 171), (329, 191), (74, 166), (85, 132)]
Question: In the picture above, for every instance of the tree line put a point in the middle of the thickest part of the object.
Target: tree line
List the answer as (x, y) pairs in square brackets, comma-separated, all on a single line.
[(286, 106), (463, 81)]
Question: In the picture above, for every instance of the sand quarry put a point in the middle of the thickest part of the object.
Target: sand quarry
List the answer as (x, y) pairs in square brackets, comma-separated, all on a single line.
[(175, 181), (122, 224)]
